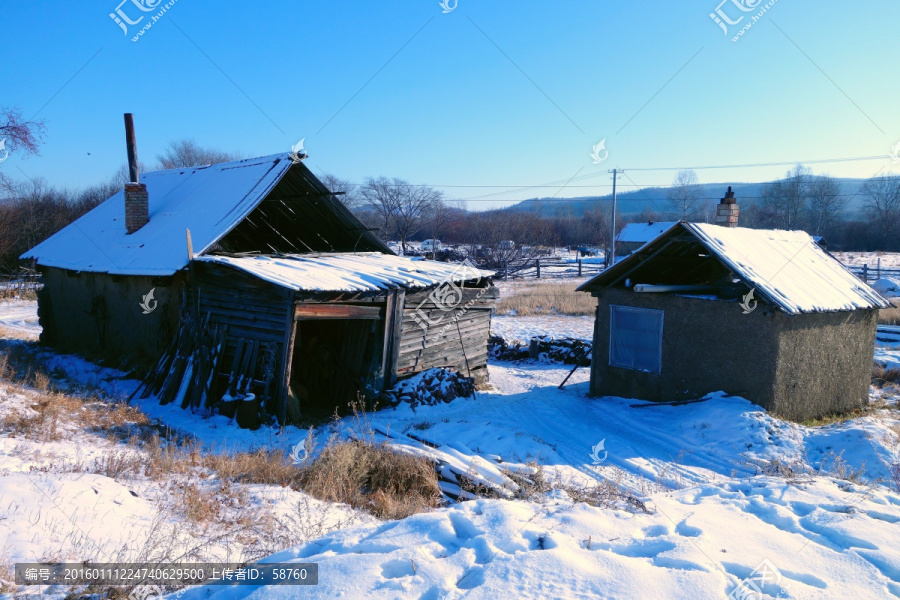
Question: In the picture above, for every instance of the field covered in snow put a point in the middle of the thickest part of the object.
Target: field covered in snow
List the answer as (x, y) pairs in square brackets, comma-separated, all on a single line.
[(889, 260), (714, 499)]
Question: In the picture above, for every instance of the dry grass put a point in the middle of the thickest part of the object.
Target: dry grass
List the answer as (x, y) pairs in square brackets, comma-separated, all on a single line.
[(890, 316), (546, 298), (882, 377), (207, 502), (372, 477), (197, 506), (17, 293), (261, 466), (832, 465)]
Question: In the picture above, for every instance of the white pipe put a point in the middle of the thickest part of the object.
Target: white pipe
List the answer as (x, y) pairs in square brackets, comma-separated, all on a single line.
[(647, 288)]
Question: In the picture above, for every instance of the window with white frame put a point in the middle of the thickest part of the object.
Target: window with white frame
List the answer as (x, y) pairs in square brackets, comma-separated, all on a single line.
[(635, 338)]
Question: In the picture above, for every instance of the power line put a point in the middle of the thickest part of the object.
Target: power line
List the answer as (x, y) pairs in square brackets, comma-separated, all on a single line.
[(568, 182), (774, 164)]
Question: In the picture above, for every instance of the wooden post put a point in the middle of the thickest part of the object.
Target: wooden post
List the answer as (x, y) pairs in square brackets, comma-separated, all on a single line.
[(393, 323), (878, 269), (190, 244), (538, 268), (866, 273), (287, 358), (579, 267)]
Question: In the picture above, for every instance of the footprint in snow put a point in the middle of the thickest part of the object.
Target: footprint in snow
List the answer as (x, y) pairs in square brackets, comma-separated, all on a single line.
[(687, 530), (397, 568), (656, 531), (463, 527)]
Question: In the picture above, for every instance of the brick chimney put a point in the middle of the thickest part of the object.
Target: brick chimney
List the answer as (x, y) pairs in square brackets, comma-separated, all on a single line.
[(727, 211), (137, 204)]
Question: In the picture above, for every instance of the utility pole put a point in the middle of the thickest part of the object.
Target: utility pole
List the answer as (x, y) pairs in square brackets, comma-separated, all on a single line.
[(612, 239)]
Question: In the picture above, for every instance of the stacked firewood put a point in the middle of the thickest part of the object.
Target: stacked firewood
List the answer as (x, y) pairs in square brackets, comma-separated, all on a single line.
[(186, 372)]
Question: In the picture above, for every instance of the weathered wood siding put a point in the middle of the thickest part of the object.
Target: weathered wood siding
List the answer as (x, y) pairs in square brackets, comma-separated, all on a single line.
[(252, 308), (455, 338), (99, 315)]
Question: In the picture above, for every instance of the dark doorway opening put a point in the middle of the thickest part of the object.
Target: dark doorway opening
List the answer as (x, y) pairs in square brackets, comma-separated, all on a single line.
[(335, 362)]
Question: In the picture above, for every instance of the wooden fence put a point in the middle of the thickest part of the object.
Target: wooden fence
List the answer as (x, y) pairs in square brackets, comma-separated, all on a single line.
[(550, 267), (871, 274), (547, 267), (18, 284)]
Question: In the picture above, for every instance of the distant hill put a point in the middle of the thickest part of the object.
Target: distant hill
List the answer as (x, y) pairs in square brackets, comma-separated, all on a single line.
[(654, 199)]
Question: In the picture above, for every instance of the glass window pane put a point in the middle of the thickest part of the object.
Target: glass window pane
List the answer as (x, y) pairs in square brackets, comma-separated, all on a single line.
[(635, 338)]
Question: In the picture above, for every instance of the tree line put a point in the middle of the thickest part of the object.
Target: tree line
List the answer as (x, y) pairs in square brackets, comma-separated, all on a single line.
[(32, 210)]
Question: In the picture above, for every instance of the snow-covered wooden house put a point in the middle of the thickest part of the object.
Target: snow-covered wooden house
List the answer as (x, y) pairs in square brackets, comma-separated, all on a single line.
[(314, 306), (767, 315)]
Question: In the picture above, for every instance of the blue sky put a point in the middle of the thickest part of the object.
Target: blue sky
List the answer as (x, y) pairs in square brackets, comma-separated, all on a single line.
[(491, 94)]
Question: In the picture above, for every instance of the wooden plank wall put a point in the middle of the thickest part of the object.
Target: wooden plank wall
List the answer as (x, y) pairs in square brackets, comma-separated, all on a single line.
[(454, 339), (251, 309)]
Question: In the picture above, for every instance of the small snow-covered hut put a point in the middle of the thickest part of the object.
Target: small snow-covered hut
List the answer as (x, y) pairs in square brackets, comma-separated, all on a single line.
[(635, 235), (767, 315), (311, 303)]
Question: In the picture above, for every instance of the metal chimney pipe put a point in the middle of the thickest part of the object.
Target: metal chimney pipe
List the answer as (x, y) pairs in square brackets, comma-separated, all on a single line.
[(133, 173)]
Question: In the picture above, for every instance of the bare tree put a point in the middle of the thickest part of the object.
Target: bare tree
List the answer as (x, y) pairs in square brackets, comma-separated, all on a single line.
[(17, 135), (34, 211), (399, 205), (784, 202), (826, 204), (684, 197), (188, 153), (348, 193), (443, 216), (882, 203)]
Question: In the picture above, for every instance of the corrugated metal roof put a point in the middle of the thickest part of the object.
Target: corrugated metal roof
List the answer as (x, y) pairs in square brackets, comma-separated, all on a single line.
[(209, 201), (787, 268), (350, 272)]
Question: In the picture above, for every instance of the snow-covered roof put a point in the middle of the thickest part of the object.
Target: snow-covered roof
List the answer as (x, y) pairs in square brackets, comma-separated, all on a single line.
[(209, 201), (349, 272), (786, 268), (641, 233), (789, 268)]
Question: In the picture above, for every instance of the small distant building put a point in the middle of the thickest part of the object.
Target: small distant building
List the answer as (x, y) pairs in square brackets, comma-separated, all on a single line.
[(635, 235), (766, 315)]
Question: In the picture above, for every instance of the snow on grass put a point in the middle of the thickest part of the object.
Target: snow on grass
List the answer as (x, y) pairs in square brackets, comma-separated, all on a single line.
[(727, 486), (18, 318), (716, 511), (522, 329), (888, 259), (86, 479), (828, 540)]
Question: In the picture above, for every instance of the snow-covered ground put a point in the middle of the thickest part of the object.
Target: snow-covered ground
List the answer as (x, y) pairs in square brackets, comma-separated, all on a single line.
[(711, 523), (888, 259), (889, 288), (524, 328), (887, 347), (724, 507), (20, 317)]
